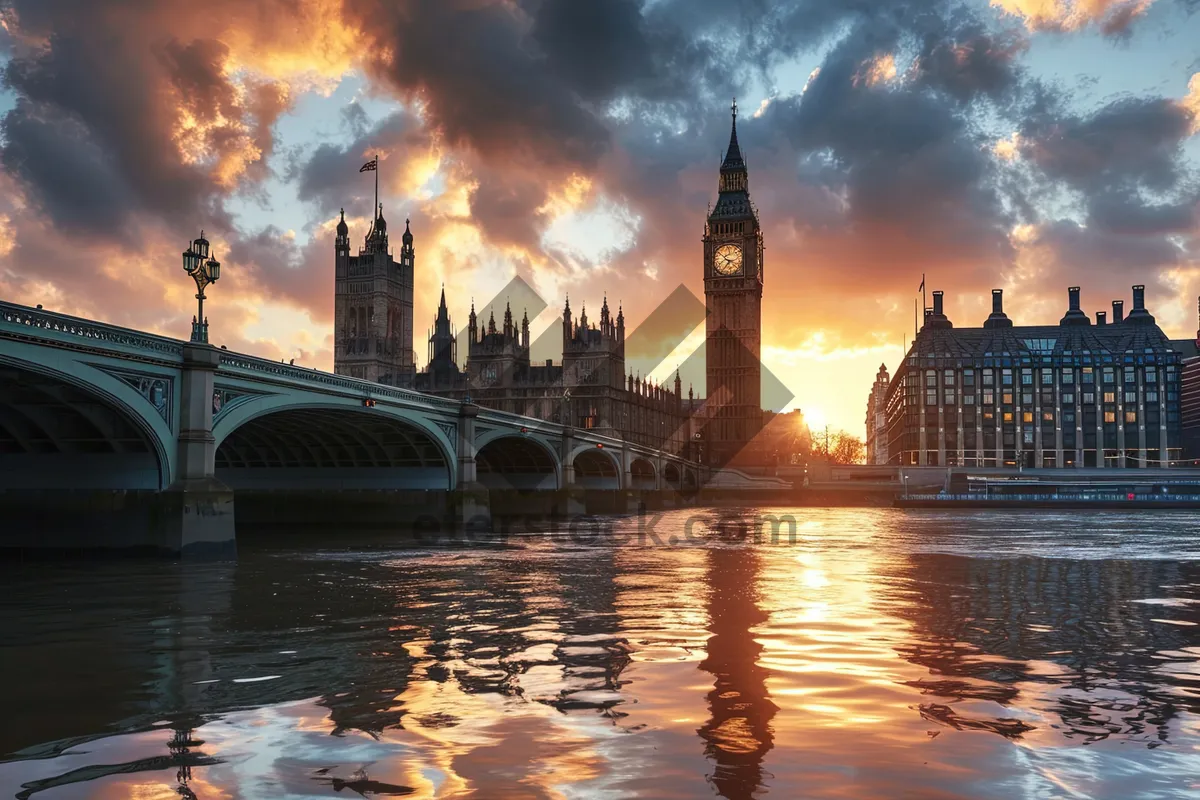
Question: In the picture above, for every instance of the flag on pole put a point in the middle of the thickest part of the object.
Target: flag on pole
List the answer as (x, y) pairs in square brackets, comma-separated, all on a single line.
[(920, 288), (370, 166)]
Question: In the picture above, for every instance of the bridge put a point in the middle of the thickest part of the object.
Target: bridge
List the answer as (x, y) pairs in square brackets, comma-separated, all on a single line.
[(111, 437)]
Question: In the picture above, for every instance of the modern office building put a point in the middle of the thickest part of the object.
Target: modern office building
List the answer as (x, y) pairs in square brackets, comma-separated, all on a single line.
[(1189, 395), (1082, 393)]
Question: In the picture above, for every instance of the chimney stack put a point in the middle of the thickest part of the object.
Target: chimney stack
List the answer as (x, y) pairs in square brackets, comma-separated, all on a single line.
[(998, 319), (937, 304), (1101, 318), (1074, 316), (1139, 315), (1118, 311), (937, 317)]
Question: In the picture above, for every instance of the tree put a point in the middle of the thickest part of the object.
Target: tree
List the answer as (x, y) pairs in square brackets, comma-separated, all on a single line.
[(840, 447)]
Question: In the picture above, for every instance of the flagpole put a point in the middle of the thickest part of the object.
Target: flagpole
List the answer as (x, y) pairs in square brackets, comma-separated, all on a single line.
[(924, 304), (376, 211)]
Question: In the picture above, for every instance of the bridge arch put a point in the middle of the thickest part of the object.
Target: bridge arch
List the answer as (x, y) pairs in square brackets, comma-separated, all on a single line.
[(596, 467), (642, 474), (302, 445), (84, 429), (517, 461)]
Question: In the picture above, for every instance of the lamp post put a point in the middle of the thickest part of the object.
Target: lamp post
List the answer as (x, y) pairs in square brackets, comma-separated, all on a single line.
[(204, 270)]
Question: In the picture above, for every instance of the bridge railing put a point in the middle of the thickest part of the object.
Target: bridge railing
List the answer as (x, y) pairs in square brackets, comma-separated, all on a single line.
[(245, 363), (13, 317)]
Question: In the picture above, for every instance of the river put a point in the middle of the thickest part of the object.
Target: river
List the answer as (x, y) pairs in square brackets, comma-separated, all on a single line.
[(875, 653)]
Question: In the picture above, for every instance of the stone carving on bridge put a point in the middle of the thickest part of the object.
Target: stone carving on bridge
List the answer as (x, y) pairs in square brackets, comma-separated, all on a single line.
[(450, 429), (226, 399), (19, 315), (157, 389)]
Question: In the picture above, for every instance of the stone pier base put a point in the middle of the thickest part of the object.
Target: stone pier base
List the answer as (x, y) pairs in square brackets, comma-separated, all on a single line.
[(469, 508), (194, 519)]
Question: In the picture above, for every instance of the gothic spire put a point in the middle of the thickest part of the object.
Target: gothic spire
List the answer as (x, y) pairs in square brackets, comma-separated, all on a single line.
[(733, 156)]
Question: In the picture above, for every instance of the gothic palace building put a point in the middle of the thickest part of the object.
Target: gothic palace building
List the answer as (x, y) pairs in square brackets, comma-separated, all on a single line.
[(1076, 394), (590, 388)]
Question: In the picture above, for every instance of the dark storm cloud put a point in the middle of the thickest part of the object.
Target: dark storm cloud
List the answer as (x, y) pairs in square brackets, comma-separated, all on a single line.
[(1131, 141), (1123, 213), (972, 63)]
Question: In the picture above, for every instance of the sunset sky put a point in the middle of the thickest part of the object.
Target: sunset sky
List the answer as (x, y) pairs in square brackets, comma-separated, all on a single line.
[(1022, 144)]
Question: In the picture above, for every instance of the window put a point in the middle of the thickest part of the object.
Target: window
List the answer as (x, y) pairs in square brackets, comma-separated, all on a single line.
[(1047, 377), (949, 395), (1068, 398), (1026, 377), (988, 378), (1047, 416), (1069, 418), (1110, 416), (1008, 416), (1109, 375), (1110, 397), (931, 397), (1068, 376), (1088, 375), (1131, 416), (1027, 398), (1151, 397), (1089, 398), (948, 377), (989, 397), (931, 378), (1027, 416), (1151, 375), (1006, 377), (1131, 397), (968, 377), (1130, 377), (968, 399), (1007, 399), (989, 415)]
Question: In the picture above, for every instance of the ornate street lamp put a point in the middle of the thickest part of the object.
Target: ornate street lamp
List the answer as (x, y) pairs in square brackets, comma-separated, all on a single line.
[(204, 270)]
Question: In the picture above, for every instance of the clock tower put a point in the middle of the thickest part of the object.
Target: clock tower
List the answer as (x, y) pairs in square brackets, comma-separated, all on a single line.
[(733, 284)]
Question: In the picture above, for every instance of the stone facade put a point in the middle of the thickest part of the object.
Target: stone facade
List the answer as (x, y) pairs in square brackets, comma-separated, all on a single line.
[(373, 307), (1076, 394), (733, 286), (877, 444), (589, 389)]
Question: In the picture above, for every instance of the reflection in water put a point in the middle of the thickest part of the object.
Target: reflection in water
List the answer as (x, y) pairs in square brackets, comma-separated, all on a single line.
[(881, 653), (737, 735)]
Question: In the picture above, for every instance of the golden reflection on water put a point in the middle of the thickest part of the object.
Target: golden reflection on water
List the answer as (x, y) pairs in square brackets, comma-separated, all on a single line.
[(877, 655)]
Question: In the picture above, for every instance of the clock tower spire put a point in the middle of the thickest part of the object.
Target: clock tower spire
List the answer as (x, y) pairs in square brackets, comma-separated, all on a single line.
[(733, 284)]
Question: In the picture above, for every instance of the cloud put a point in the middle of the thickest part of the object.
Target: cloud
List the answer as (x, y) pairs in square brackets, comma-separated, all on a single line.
[(1113, 17)]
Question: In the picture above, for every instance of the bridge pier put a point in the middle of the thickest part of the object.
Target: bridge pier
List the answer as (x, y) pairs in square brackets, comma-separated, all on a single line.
[(195, 513), (468, 506)]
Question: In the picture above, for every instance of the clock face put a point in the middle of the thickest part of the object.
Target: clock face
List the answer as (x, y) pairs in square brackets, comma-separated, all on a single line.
[(728, 260)]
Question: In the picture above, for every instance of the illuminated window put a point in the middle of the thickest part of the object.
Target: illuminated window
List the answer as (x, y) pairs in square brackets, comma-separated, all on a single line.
[(1110, 397), (1110, 416), (1008, 416), (1007, 398), (989, 415), (1047, 416), (1131, 416), (1027, 416)]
